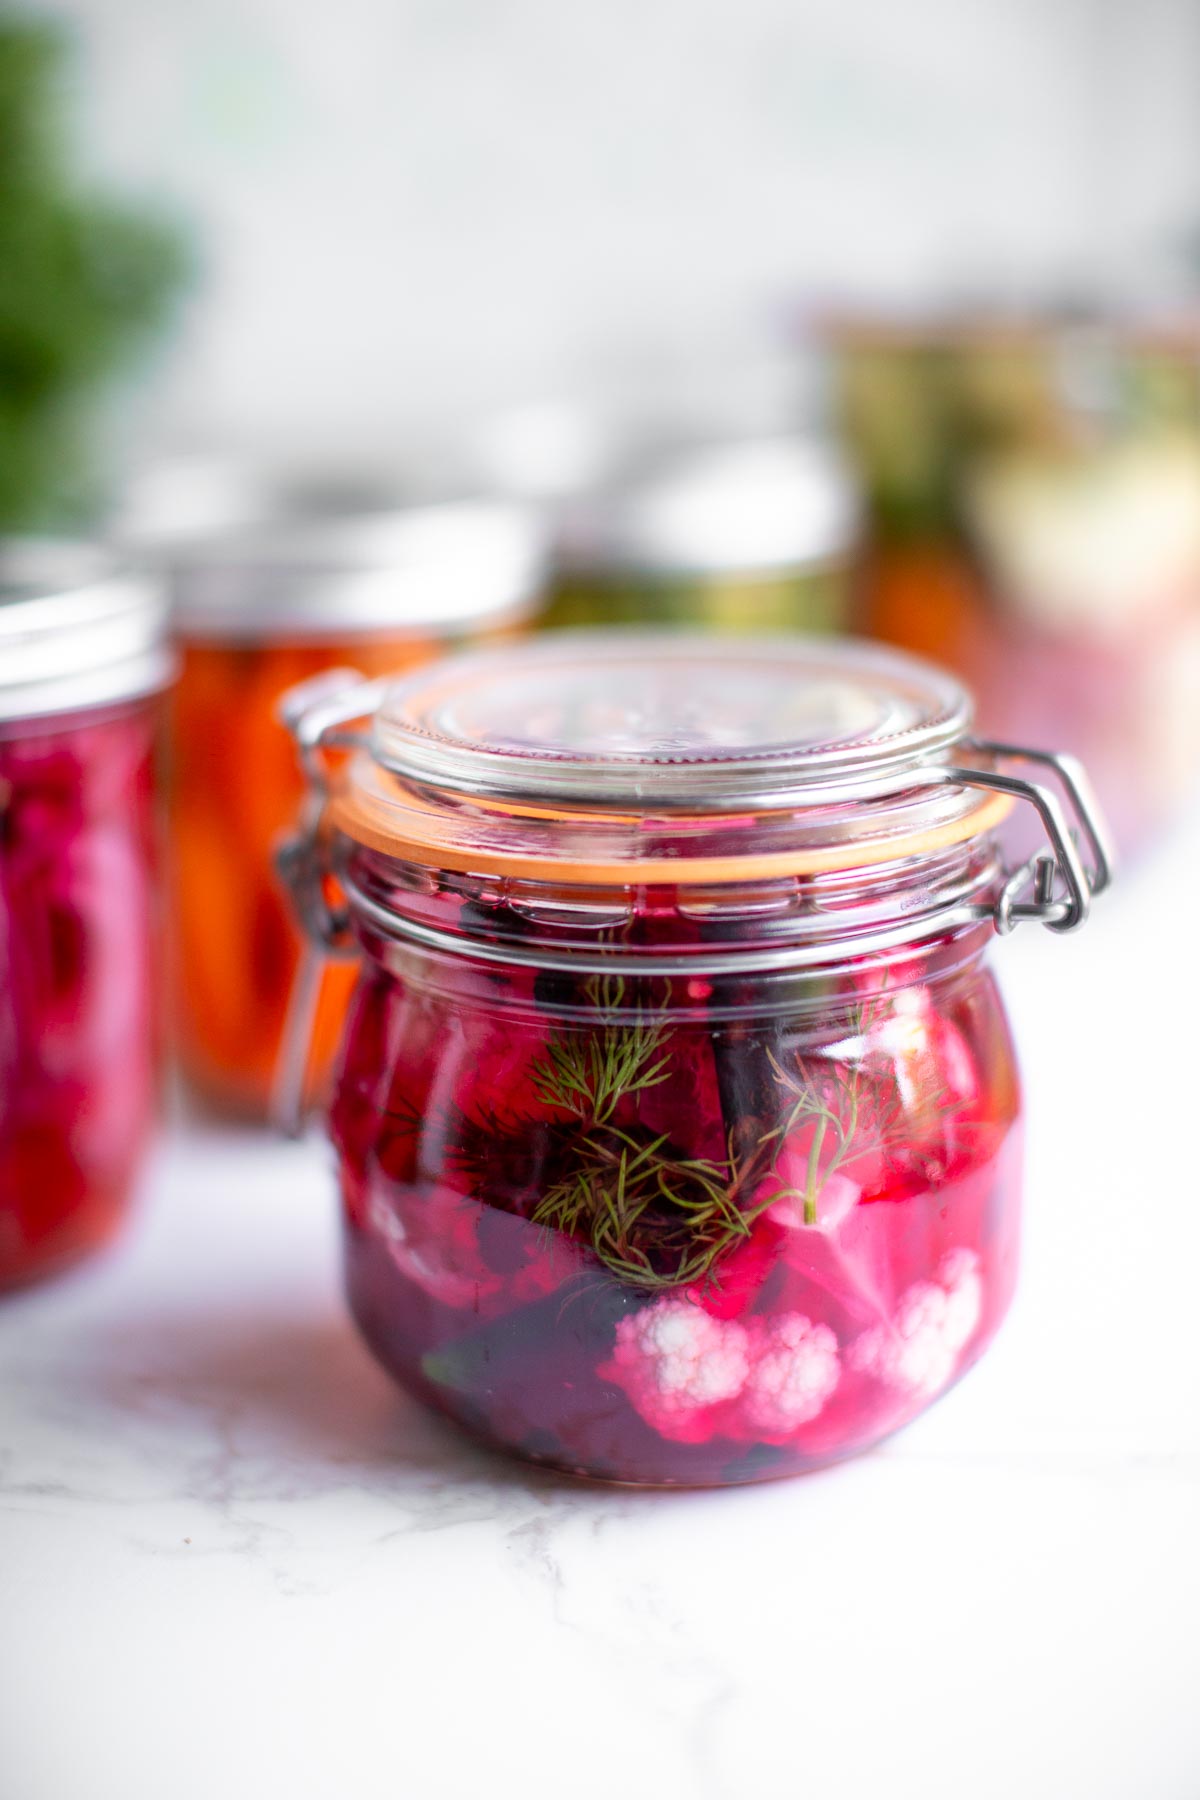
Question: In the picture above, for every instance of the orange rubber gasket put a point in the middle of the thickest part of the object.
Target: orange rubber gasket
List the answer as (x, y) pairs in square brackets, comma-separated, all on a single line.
[(350, 814)]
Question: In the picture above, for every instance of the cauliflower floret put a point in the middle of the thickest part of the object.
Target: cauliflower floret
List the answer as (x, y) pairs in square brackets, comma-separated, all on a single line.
[(933, 1323), (793, 1376), (674, 1360)]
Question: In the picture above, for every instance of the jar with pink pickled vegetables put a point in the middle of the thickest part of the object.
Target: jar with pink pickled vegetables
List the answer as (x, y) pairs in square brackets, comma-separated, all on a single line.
[(677, 1115), (82, 662)]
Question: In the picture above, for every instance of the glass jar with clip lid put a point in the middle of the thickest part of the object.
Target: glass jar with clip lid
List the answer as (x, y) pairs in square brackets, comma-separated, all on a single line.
[(677, 1115)]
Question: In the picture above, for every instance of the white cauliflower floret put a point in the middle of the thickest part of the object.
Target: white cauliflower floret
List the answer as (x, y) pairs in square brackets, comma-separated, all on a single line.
[(676, 1357), (794, 1375), (933, 1323)]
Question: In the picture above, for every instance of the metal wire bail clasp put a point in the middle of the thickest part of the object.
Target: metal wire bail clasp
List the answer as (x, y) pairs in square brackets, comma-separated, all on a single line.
[(316, 713), (1055, 887)]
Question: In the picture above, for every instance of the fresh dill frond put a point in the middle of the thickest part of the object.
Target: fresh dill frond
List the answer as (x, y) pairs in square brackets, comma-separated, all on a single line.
[(589, 1074)]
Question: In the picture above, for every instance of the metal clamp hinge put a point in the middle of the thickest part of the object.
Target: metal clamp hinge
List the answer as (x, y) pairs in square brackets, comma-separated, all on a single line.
[(1055, 887), (316, 713)]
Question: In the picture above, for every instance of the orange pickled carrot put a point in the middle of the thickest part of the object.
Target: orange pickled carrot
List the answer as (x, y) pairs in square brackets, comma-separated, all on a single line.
[(236, 791)]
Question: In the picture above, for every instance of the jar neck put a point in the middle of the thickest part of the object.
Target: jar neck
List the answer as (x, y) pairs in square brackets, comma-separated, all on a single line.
[(879, 914)]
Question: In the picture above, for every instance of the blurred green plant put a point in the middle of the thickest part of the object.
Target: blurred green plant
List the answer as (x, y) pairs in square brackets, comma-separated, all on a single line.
[(86, 282)]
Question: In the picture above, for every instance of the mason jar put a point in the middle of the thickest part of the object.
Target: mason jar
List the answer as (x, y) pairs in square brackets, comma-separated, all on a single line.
[(754, 535), (83, 660), (677, 1115), (257, 611), (1033, 499)]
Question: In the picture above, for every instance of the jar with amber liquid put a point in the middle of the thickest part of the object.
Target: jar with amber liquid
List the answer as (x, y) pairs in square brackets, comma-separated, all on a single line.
[(255, 612)]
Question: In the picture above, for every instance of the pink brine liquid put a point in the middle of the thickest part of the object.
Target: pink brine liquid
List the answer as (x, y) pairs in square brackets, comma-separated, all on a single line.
[(674, 1232)]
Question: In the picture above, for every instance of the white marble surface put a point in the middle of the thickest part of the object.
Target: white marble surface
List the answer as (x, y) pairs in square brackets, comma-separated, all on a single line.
[(234, 1562)]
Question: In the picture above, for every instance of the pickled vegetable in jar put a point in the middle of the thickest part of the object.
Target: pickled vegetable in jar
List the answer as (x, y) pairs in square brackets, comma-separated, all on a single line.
[(82, 663), (1034, 520), (257, 612), (750, 536), (677, 1115)]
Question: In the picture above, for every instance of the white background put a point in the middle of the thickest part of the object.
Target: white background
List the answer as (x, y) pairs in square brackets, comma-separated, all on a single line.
[(409, 207)]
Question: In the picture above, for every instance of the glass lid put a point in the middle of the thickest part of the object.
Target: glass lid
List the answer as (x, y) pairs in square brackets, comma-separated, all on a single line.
[(654, 722)]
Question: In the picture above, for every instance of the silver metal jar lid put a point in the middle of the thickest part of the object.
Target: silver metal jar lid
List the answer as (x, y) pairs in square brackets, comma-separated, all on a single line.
[(417, 570), (758, 506), (78, 628)]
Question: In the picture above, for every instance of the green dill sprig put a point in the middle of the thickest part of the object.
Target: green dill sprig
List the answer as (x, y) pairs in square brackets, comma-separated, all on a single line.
[(589, 1075), (654, 1219), (850, 1117)]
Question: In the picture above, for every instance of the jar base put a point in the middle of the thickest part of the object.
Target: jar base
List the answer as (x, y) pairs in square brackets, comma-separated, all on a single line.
[(731, 1465)]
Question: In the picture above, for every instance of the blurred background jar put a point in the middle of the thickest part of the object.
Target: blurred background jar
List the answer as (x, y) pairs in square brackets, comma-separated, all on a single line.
[(83, 661), (1034, 520), (751, 535), (257, 610)]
